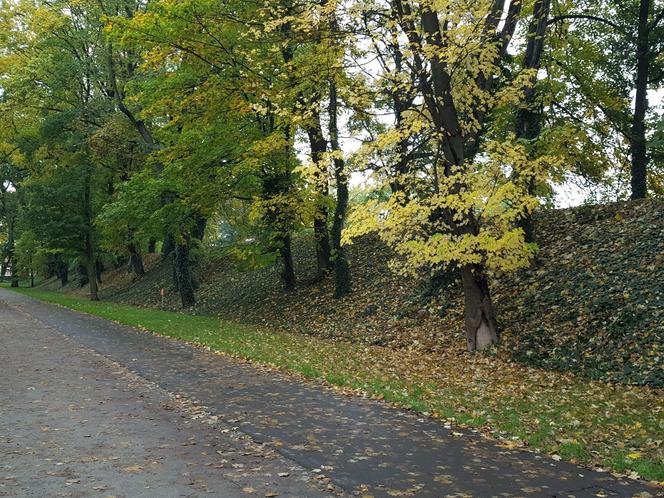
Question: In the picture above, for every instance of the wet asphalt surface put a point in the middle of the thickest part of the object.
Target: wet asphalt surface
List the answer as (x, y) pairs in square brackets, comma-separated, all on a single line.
[(74, 423), (326, 442)]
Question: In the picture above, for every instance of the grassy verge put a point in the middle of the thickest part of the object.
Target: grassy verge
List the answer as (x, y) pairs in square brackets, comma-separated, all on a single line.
[(615, 426)]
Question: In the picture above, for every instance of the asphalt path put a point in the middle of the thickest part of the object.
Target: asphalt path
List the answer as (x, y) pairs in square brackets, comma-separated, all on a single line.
[(89, 407)]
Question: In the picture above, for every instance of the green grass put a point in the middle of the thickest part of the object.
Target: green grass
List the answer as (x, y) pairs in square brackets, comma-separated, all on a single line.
[(546, 410)]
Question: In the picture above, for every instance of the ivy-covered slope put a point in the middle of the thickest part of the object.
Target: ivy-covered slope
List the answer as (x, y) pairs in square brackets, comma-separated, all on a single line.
[(593, 302)]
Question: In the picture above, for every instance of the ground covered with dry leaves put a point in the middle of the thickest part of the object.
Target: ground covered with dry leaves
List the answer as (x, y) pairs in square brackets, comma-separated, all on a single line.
[(593, 303)]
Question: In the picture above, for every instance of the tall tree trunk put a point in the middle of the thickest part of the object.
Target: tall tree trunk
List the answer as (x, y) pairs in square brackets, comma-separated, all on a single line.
[(90, 253), (288, 269), (92, 281), (63, 273), (32, 278), (14, 283), (12, 265), (11, 247), (135, 260), (639, 151), (99, 268), (182, 271), (184, 278), (529, 119), (480, 323), (322, 240), (11, 260), (200, 224), (341, 268), (168, 245), (83, 275), (318, 146)]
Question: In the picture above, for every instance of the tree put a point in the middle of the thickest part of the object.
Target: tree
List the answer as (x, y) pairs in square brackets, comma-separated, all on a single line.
[(606, 35), (242, 53), (462, 212), (9, 211), (52, 75), (28, 256)]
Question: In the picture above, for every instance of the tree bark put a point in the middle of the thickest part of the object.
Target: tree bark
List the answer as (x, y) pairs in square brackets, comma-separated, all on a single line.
[(639, 153), (342, 281), (14, 283), (168, 246), (10, 245), (288, 268), (135, 260), (14, 279), (318, 146), (529, 119), (200, 224), (152, 245), (63, 273), (91, 270), (90, 256), (480, 320), (83, 275), (99, 268), (182, 271)]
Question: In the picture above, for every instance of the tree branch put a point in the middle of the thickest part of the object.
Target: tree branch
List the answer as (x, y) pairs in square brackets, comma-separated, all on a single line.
[(587, 17)]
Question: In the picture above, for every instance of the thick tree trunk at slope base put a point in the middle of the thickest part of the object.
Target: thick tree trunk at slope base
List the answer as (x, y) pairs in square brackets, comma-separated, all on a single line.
[(288, 268), (183, 277), (322, 240), (168, 245), (83, 278), (200, 225), (639, 152), (342, 281), (90, 253), (99, 268), (198, 232), (63, 273), (480, 321), (135, 261), (94, 289)]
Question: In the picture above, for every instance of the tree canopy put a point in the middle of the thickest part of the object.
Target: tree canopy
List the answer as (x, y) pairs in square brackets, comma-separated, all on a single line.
[(131, 126)]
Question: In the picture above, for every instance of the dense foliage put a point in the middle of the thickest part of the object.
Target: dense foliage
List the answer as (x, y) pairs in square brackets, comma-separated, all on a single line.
[(131, 126)]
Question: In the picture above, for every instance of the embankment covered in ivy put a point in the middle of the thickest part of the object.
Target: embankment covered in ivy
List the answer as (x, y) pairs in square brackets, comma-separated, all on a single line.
[(592, 303)]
